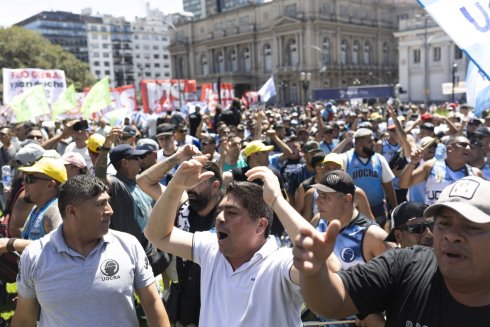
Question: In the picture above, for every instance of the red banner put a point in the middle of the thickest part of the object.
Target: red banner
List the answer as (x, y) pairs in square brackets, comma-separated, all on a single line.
[(209, 94), (162, 95)]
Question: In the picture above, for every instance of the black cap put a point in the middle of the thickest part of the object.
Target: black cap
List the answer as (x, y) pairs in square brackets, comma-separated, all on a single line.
[(165, 129), (428, 126), (122, 151), (482, 131), (403, 213), (336, 181), (129, 130)]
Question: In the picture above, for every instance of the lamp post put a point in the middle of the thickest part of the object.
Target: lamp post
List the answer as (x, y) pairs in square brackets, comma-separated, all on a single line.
[(426, 63), (305, 79), (455, 69)]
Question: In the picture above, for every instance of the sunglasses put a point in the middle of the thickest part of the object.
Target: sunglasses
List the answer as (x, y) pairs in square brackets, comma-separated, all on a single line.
[(132, 158), (419, 228), (463, 145), (30, 179), (126, 137), (206, 143), (32, 137)]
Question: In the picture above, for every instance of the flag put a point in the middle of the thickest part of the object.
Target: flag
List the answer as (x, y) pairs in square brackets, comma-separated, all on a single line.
[(65, 102), (30, 103), (477, 89), (98, 98), (467, 23), (268, 90)]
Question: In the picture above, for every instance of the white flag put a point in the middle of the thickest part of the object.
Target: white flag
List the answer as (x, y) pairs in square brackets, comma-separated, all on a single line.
[(268, 90), (477, 89)]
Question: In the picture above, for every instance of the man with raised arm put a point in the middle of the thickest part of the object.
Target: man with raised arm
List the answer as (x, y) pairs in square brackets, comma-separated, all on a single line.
[(246, 280)]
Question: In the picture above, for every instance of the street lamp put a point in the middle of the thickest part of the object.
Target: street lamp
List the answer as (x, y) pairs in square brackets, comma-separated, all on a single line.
[(455, 69), (305, 79)]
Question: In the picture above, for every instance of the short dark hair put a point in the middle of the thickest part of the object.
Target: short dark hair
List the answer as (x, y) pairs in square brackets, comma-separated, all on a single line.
[(250, 196), (78, 189), (211, 166)]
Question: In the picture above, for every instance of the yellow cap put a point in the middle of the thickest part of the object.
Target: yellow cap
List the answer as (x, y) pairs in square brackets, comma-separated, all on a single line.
[(54, 168), (335, 158), (257, 146), (94, 142)]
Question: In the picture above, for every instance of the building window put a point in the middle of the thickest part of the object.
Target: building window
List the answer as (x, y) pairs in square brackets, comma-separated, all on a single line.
[(367, 53), (155, 47), (386, 54), (107, 73), (107, 64), (292, 53), (156, 65), (326, 51), (247, 60), (267, 58), (220, 59), (94, 37), (155, 56), (96, 63), (436, 53), (233, 61), (96, 55), (105, 55), (343, 52), (355, 53), (204, 65), (165, 57), (416, 56), (458, 53)]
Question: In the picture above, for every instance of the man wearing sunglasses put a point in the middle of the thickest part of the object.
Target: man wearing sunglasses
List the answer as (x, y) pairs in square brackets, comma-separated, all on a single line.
[(410, 227), (42, 181)]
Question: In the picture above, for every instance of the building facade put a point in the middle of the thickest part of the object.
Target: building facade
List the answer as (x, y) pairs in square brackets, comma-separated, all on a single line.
[(305, 44), (428, 58)]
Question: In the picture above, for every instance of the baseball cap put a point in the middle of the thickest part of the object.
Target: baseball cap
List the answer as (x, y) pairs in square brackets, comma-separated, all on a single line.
[(336, 181), (482, 131), (363, 132), (75, 159), (29, 153), (426, 140), (403, 213), (165, 129), (428, 126), (122, 151), (257, 146), (335, 158), (95, 142), (375, 116), (468, 196), (147, 145), (54, 168), (129, 130), (311, 146), (426, 117)]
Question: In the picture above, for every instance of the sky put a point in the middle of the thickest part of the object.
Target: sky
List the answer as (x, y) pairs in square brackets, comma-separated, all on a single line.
[(14, 11)]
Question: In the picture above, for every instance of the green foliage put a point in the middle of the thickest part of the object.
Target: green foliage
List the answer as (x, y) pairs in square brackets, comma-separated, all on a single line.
[(21, 48)]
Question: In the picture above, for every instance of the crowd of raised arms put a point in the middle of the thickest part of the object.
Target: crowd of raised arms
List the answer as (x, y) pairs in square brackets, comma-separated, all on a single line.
[(327, 214)]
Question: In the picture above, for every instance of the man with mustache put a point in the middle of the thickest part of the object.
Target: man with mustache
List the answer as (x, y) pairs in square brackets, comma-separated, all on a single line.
[(371, 172), (196, 213), (448, 285)]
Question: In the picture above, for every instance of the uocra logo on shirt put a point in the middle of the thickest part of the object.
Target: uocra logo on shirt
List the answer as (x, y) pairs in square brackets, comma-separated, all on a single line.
[(110, 268)]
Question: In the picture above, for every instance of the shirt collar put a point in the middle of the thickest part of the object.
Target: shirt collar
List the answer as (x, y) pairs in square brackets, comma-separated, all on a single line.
[(60, 245)]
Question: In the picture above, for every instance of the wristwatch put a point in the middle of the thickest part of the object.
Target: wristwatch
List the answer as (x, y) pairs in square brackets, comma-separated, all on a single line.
[(10, 244)]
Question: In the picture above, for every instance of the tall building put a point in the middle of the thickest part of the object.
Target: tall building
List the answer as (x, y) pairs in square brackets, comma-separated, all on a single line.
[(196, 7), (306, 45), (62, 28), (203, 8)]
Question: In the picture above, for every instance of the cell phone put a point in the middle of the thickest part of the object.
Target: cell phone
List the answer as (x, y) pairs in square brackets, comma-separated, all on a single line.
[(80, 125)]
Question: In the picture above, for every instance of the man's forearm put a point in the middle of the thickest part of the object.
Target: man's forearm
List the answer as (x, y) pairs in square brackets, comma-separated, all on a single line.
[(101, 165), (289, 217), (155, 173)]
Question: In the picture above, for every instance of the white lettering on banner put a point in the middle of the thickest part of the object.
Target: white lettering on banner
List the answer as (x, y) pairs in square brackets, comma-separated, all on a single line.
[(16, 81), (168, 94)]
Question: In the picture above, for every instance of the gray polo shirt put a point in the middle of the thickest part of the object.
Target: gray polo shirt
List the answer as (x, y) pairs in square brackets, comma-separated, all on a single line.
[(74, 290)]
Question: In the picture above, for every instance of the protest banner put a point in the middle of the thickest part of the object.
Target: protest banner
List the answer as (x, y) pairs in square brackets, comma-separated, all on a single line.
[(16, 81), (30, 103), (209, 94), (97, 99), (162, 95)]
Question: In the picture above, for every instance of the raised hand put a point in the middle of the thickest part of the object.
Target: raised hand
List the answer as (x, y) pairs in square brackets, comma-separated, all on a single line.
[(312, 248), (189, 173), (187, 152), (272, 188)]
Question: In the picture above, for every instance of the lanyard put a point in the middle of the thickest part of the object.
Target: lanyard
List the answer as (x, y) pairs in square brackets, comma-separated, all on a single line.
[(33, 217)]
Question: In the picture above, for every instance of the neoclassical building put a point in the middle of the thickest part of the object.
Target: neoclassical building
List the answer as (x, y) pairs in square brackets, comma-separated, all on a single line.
[(305, 44)]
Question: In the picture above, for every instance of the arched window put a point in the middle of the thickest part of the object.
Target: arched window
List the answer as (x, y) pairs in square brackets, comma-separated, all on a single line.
[(326, 51), (343, 52), (367, 53), (204, 65), (355, 53), (233, 62), (386, 54), (267, 58), (220, 59), (292, 52), (247, 60)]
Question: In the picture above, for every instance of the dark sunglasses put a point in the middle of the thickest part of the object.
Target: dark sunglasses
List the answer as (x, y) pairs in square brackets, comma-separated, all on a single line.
[(132, 157), (419, 228), (32, 137), (463, 145), (30, 179), (206, 143)]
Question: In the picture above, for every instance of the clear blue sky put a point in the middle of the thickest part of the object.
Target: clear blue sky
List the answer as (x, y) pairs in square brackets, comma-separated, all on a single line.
[(13, 11)]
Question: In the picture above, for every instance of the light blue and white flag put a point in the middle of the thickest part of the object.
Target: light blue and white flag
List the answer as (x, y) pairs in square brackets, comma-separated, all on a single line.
[(268, 90), (477, 89), (468, 24)]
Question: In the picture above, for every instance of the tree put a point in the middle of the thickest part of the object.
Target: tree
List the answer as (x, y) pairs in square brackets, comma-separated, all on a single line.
[(22, 48)]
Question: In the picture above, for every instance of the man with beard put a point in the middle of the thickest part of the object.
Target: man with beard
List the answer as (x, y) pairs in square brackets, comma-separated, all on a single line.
[(131, 205), (196, 213), (41, 188), (371, 172), (410, 227), (439, 173)]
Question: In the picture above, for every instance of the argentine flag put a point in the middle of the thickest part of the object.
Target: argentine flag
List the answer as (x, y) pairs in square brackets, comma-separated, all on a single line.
[(468, 24), (268, 90), (477, 89)]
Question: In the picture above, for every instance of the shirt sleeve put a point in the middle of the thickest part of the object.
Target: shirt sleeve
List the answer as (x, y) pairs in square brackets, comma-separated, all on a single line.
[(204, 247), (143, 274), (387, 175), (371, 285), (25, 277)]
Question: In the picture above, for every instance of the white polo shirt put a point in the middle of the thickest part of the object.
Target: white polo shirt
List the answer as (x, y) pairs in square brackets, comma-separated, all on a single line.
[(259, 293), (74, 290)]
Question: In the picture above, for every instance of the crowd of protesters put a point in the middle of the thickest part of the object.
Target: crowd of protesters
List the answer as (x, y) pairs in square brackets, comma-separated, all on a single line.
[(182, 183)]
